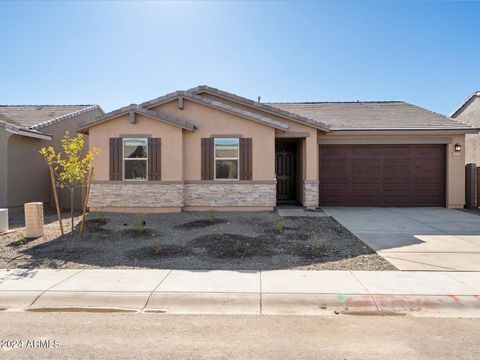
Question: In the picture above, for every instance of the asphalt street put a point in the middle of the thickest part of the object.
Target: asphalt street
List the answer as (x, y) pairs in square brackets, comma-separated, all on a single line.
[(25, 335)]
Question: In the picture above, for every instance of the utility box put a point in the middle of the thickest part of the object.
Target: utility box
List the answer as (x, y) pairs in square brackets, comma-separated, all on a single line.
[(33, 219), (3, 221)]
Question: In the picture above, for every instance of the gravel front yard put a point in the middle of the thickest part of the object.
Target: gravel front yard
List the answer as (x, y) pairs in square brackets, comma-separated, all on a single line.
[(193, 240)]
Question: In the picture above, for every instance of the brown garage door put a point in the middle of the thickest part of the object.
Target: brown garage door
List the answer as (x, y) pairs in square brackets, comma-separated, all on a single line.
[(382, 175)]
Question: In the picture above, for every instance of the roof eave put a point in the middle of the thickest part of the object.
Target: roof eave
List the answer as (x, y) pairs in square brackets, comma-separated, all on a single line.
[(261, 106), (423, 131), (25, 132)]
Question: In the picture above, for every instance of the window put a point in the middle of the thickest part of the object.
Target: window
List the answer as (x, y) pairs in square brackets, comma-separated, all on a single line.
[(226, 157), (135, 155)]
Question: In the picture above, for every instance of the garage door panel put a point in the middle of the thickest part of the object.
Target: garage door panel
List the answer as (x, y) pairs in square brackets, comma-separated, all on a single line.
[(331, 176), (367, 186), (397, 164), (366, 151), (335, 151), (365, 175), (436, 151), (383, 175), (392, 187), (335, 187), (396, 151), (366, 164)]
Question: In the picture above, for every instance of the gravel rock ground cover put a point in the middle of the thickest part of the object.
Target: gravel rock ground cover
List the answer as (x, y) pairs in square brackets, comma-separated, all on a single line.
[(192, 240)]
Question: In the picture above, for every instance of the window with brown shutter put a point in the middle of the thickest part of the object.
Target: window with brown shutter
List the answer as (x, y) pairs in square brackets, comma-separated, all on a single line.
[(246, 159), (154, 159), (116, 157), (228, 159), (207, 158)]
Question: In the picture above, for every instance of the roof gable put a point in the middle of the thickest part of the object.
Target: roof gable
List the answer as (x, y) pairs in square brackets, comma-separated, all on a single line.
[(216, 105), (264, 107), (465, 104), (134, 108)]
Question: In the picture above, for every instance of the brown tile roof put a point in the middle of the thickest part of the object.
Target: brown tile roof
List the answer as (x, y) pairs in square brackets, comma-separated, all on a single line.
[(387, 115), (37, 116)]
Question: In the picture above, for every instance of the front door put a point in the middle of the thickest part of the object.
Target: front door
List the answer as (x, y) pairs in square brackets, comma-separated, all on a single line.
[(285, 165)]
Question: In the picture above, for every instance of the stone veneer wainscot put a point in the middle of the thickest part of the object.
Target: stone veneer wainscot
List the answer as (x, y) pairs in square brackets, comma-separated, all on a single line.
[(152, 194)]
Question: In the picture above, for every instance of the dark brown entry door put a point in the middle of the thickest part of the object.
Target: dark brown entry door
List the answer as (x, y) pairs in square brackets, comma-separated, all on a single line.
[(382, 175), (285, 165)]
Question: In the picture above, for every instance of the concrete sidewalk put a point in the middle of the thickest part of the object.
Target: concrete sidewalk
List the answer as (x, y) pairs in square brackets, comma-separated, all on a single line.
[(243, 292)]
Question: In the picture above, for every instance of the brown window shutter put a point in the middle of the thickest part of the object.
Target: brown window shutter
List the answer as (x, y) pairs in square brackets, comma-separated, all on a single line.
[(154, 159), (207, 159), (246, 159), (116, 159)]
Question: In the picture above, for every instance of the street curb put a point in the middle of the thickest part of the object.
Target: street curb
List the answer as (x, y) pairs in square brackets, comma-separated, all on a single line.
[(249, 304)]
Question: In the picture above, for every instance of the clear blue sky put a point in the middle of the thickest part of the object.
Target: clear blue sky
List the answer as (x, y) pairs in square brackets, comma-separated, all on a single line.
[(117, 53)]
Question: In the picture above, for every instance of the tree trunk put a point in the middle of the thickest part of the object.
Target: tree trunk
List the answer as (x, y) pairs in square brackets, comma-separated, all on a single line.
[(72, 189)]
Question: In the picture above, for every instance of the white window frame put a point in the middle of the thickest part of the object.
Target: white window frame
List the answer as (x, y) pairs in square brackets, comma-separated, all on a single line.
[(130, 159), (229, 158)]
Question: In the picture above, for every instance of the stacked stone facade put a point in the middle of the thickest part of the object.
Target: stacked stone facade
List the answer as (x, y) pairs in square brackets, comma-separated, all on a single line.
[(229, 195), (310, 196), (181, 195), (145, 194)]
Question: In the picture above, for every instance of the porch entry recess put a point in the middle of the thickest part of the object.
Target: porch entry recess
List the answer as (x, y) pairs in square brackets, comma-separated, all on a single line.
[(285, 170)]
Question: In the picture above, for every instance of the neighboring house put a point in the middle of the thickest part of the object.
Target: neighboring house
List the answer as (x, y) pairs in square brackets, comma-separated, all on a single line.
[(469, 113), (24, 129), (205, 149)]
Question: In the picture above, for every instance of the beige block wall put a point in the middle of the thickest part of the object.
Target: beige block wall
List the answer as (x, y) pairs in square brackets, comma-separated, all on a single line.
[(4, 135), (57, 130), (28, 176), (455, 177), (171, 144)]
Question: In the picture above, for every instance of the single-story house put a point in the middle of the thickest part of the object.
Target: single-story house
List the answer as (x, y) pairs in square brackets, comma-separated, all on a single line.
[(24, 129), (469, 113), (205, 149)]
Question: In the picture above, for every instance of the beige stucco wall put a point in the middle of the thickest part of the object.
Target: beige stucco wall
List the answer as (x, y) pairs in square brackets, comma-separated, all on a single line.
[(455, 167), (210, 121), (471, 115), (171, 144)]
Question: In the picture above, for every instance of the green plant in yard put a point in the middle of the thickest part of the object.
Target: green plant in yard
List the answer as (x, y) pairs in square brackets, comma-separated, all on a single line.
[(21, 239), (238, 248), (101, 218), (157, 247), (213, 216), (280, 225), (71, 164), (221, 233), (139, 226), (316, 245)]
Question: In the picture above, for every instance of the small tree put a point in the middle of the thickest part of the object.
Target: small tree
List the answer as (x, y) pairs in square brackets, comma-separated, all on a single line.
[(71, 165)]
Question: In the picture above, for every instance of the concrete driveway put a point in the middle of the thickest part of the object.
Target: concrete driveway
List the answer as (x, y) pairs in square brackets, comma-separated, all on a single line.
[(434, 239)]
